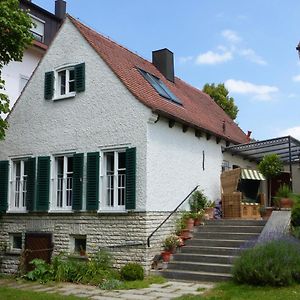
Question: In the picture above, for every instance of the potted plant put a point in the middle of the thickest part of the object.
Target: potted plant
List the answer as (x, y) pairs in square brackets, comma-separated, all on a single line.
[(270, 167), (198, 201), (283, 197), (198, 217), (170, 244), (210, 209), (181, 229), (188, 218)]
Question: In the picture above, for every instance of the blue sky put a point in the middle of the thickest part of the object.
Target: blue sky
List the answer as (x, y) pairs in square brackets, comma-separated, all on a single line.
[(248, 45)]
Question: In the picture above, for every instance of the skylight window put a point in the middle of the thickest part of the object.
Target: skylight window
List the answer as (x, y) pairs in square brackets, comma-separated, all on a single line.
[(160, 87)]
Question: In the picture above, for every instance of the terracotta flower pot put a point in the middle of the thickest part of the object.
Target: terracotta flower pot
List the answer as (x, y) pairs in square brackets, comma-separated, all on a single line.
[(210, 212), (197, 222), (185, 234), (286, 203), (166, 256), (190, 224)]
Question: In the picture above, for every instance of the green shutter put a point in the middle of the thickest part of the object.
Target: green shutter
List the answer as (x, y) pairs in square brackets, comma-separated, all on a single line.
[(43, 178), (92, 184), (77, 181), (130, 178), (49, 85), (80, 77), (4, 166), (30, 165)]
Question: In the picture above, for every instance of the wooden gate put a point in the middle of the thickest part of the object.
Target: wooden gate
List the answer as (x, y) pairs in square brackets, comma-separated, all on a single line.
[(37, 245)]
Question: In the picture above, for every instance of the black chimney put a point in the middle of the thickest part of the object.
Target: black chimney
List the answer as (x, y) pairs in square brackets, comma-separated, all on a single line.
[(163, 60), (60, 8)]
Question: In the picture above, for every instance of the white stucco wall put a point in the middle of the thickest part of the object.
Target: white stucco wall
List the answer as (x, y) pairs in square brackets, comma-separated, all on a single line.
[(174, 165), (13, 72), (105, 115)]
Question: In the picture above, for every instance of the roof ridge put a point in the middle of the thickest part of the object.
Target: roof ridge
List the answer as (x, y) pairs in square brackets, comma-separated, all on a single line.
[(107, 38)]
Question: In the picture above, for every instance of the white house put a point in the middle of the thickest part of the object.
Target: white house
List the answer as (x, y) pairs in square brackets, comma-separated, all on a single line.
[(17, 74), (102, 145)]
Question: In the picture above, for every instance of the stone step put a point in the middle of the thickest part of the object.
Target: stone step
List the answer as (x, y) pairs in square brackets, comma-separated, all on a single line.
[(205, 258), (237, 222), (225, 235), (216, 243), (228, 228), (210, 250), (200, 267), (195, 276)]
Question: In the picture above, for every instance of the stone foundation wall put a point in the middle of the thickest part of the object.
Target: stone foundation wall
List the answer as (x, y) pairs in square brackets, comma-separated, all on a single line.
[(123, 235)]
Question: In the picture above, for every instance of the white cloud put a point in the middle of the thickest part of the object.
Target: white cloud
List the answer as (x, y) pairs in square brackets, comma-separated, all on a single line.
[(259, 92), (293, 131), (250, 54), (185, 59), (212, 58), (296, 78), (231, 36)]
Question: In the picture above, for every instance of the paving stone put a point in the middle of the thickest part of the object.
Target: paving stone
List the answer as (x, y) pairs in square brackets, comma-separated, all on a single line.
[(103, 298)]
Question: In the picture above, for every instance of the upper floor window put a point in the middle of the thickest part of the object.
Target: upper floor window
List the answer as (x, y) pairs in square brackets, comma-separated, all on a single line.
[(63, 182), (64, 82), (114, 179), (38, 29), (19, 185)]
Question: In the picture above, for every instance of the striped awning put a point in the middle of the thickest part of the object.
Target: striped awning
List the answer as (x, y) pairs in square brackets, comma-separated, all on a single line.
[(252, 174)]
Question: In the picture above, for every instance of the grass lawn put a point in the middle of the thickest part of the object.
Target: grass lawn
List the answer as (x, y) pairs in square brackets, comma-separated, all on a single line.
[(14, 294), (141, 284), (232, 291)]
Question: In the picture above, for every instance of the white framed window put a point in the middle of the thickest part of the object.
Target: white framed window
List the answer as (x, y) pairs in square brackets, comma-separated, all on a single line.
[(38, 29), (63, 183), (65, 82), (18, 185), (114, 180), (78, 244)]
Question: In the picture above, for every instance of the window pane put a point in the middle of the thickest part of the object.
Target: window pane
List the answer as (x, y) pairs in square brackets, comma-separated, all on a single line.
[(18, 168), (17, 241), (71, 86), (62, 82), (110, 164), (71, 75), (70, 164), (121, 160)]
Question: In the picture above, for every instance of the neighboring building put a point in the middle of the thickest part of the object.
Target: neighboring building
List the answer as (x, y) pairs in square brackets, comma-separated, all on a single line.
[(101, 146), (17, 74)]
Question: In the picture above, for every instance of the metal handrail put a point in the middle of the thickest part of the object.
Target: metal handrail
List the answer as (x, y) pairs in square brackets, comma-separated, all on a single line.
[(168, 217)]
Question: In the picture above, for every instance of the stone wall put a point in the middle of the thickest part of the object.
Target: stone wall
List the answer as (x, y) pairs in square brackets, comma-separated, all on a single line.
[(124, 235)]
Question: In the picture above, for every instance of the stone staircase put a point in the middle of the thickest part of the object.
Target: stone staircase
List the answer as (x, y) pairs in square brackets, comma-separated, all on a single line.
[(209, 255)]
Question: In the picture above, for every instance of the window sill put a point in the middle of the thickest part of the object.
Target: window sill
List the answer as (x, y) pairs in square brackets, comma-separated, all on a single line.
[(14, 211), (61, 211), (13, 252), (62, 97), (112, 211)]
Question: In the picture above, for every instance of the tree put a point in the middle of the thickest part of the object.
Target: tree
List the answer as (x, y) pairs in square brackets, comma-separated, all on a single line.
[(14, 38), (270, 167), (219, 94)]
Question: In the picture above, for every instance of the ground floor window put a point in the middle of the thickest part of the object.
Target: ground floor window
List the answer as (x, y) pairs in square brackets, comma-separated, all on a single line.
[(114, 179), (78, 244), (63, 182), (19, 185), (15, 241)]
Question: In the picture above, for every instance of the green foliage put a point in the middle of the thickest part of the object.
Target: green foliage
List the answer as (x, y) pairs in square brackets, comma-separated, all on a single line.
[(171, 242), (132, 271), (69, 269), (295, 217), (219, 94), (276, 263), (270, 166), (198, 201), (284, 191), (141, 284), (42, 271), (14, 38), (110, 284)]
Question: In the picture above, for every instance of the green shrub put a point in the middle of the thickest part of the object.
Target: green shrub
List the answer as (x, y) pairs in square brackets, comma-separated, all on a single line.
[(276, 263), (198, 201), (71, 269), (110, 284), (41, 272), (295, 217), (132, 271)]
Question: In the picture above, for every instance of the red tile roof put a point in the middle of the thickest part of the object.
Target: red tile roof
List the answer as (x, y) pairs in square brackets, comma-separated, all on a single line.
[(198, 109)]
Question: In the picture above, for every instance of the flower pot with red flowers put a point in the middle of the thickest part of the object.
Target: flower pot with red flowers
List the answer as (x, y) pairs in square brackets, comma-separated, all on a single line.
[(166, 256)]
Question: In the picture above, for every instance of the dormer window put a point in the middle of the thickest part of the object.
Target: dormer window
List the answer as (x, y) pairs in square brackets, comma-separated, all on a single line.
[(65, 82)]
